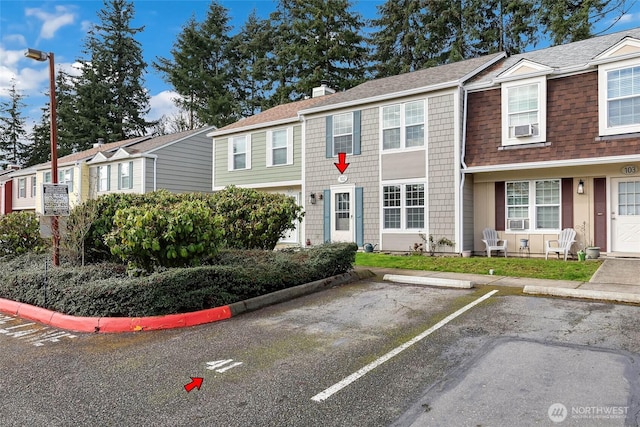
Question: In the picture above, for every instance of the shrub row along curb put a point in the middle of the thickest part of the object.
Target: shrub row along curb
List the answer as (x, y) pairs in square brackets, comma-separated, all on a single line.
[(171, 321)]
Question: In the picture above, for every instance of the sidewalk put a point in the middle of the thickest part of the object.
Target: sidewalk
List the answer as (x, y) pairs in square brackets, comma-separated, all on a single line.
[(616, 280)]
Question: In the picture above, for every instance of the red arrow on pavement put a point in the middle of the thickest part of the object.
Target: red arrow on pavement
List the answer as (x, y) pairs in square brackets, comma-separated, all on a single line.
[(342, 164), (195, 382)]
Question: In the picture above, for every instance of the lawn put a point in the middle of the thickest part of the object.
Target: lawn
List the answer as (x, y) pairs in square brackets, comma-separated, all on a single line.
[(538, 268)]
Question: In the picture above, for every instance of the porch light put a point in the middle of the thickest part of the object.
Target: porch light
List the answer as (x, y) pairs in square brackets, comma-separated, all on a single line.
[(581, 187), (312, 198)]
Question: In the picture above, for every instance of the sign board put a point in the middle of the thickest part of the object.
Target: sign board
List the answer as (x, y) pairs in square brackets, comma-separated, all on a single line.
[(55, 200)]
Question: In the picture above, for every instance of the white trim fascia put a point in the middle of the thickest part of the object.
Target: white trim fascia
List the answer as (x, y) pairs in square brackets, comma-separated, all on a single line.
[(482, 68), (382, 98), (254, 126), (294, 183), (609, 60), (554, 164), (208, 128), (517, 77)]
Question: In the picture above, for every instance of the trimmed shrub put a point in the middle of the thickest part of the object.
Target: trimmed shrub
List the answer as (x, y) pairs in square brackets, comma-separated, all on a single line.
[(254, 219), (106, 289), (172, 235), (20, 233)]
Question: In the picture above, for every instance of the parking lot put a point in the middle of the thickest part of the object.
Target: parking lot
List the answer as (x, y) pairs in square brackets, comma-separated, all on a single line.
[(369, 353)]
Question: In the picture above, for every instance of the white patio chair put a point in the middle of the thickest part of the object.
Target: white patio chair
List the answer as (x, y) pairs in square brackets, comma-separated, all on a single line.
[(562, 245), (492, 242)]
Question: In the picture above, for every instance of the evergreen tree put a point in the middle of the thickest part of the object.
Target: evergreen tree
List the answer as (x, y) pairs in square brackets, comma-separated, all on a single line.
[(249, 51), (12, 128), (566, 21), (200, 70), (75, 132), (111, 98), (317, 40), (39, 151), (399, 26)]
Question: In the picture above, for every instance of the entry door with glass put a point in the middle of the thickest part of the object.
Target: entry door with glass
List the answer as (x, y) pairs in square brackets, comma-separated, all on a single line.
[(342, 205), (625, 215)]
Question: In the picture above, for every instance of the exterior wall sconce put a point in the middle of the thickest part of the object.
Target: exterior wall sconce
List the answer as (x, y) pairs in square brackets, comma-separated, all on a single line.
[(581, 187), (319, 196), (312, 198)]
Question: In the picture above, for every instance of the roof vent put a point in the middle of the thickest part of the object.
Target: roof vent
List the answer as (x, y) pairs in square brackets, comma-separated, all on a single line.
[(100, 143), (324, 89)]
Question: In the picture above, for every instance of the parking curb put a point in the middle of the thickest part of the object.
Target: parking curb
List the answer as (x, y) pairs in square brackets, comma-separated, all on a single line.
[(170, 321), (582, 293), (429, 281)]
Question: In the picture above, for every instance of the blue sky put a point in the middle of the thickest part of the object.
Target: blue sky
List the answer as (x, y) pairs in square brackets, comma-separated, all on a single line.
[(61, 26)]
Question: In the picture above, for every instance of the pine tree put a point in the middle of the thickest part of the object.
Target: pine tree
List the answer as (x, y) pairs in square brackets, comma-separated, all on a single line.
[(111, 100), (317, 40), (249, 52), (200, 70), (12, 128), (39, 151), (399, 26), (566, 21)]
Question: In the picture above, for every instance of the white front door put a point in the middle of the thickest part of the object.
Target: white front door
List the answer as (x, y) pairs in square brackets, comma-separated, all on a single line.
[(342, 213), (625, 215)]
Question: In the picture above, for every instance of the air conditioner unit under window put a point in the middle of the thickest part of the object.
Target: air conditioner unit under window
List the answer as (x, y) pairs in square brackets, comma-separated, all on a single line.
[(517, 224), (522, 131)]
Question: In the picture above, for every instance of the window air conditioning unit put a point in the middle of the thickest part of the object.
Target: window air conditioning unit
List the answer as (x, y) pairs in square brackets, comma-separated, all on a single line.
[(517, 224), (522, 131)]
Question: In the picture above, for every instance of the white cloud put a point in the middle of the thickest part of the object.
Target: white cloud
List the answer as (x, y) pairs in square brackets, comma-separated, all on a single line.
[(162, 104), (628, 18), (15, 39), (52, 22)]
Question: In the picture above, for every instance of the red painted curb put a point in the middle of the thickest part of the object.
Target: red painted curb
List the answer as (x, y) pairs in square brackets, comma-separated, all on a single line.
[(113, 324)]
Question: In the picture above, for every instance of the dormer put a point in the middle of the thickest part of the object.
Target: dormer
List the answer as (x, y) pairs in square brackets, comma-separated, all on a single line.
[(524, 103), (619, 88)]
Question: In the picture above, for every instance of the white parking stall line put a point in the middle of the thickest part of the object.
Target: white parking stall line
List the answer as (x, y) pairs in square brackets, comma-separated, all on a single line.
[(31, 332), (363, 371)]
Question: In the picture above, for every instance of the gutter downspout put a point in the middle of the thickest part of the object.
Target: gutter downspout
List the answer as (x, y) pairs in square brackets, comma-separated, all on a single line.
[(463, 149), (303, 198)]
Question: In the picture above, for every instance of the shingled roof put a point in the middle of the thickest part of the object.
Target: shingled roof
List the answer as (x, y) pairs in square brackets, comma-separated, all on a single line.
[(272, 115), (560, 57), (425, 79)]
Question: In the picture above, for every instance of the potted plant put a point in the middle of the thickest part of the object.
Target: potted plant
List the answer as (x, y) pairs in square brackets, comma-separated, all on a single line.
[(581, 255), (592, 252)]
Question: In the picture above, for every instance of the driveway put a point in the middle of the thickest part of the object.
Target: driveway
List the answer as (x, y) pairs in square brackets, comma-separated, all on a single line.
[(297, 363)]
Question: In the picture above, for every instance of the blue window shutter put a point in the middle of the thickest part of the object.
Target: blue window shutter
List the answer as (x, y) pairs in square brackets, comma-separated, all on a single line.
[(329, 137), (326, 200), (130, 174), (108, 177), (359, 216), (356, 132), (119, 176)]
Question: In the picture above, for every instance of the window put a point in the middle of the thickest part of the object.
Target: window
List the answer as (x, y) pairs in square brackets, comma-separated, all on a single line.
[(239, 153), (46, 177), (403, 125), (22, 188), (125, 175), (65, 176), (280, 147), (619, 97), (533, 205), (403, 206), (104, 178), (343, 133), (33, 186), (524, 111)]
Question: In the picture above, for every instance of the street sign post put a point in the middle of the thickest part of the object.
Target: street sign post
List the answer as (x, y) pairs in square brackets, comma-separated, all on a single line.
[(55, 200)]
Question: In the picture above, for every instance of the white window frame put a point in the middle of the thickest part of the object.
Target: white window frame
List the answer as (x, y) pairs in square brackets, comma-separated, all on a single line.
[(22, 188), (541, 83), (65, 176), (103, 173), (603, 100), (335, 134), (404, 209), (122, 176), (232, 140), (402, 125), (46, 177), (33, 186), (288, 146), (532, 205)]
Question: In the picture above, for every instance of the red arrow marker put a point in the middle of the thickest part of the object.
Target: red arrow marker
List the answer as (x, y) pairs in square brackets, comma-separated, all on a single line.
[(342, 165), (195, 382)]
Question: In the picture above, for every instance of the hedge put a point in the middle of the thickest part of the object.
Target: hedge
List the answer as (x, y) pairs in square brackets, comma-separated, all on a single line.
[(107, 290)]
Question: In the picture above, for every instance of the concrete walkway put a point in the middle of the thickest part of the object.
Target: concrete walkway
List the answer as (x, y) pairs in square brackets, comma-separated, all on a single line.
[(616, 280)]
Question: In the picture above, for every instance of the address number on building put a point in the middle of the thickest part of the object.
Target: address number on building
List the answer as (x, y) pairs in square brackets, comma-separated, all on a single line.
[(630, 170), (55, 200)]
